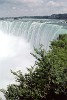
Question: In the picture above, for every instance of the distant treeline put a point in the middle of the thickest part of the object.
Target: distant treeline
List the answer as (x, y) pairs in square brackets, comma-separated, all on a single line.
[(53, 16), (58, 16)]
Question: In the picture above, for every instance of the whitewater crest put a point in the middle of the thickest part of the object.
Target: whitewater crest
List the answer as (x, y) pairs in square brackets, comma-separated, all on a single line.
[(35, 32)]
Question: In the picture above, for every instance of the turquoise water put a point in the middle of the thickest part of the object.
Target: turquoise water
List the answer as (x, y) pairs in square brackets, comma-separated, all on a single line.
[(36, 32)]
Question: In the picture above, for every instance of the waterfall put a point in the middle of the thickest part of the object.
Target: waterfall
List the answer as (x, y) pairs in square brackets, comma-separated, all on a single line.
[(35, 32), (17, 38)]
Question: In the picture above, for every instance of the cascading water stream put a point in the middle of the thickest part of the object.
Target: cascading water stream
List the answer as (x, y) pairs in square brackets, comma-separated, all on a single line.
[(17, 39), (34, 32)]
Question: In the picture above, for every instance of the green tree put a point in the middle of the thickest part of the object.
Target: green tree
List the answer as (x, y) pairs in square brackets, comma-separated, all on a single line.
[(47, 80)]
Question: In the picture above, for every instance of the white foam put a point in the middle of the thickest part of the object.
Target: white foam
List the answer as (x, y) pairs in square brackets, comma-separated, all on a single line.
[(15, 55)]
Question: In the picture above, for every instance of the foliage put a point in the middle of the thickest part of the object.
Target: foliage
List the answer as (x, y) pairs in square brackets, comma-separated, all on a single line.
[(48, 80)]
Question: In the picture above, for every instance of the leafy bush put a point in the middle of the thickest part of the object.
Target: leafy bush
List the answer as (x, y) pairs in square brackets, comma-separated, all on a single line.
[(47, 80)]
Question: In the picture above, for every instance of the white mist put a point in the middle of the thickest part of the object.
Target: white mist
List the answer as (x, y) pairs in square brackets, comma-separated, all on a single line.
[(14, 55)]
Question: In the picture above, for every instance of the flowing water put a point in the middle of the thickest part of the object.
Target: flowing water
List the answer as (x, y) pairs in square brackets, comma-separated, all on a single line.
[(17, 39)]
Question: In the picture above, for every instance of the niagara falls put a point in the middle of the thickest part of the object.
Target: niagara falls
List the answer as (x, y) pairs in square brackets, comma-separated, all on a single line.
[(18, 39), (33, 49)]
